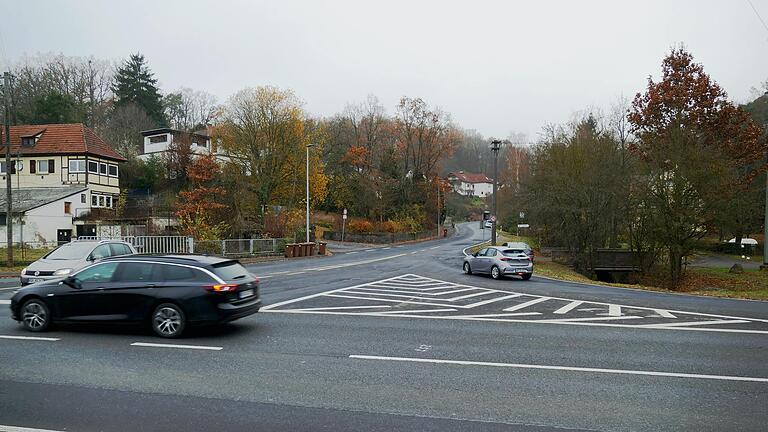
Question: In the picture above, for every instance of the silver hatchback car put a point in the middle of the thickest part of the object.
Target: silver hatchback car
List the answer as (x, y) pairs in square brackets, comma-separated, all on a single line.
[(499, 261), (70, 257)]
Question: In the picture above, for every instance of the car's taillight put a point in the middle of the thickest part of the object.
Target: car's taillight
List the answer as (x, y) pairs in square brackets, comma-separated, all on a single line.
[(222, 288)]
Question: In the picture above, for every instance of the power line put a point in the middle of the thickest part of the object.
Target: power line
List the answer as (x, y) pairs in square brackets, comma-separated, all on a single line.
[(758, 15)]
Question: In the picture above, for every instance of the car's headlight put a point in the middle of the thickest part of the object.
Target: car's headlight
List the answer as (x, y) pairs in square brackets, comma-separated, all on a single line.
[(62, 272), (24, 270)]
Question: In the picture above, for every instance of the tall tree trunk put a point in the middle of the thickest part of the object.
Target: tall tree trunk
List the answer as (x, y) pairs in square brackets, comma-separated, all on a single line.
[(675, 265)]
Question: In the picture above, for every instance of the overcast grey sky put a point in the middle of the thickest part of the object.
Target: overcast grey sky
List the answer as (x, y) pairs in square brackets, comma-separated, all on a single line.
[(496, 66)]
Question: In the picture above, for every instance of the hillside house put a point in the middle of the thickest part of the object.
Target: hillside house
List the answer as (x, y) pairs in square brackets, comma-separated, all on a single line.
[(59, 173)]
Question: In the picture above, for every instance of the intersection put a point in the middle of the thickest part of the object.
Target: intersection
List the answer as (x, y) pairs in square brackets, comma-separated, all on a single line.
[(398, 337)]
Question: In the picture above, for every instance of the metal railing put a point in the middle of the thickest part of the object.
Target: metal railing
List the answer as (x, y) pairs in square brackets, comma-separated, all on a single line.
[(188, 245)]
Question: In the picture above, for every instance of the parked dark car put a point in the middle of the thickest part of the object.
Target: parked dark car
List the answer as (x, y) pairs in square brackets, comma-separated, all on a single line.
[(169, 292)]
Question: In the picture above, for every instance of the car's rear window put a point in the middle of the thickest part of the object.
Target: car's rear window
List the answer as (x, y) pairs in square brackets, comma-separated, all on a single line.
[(513, 252), (231, 270)]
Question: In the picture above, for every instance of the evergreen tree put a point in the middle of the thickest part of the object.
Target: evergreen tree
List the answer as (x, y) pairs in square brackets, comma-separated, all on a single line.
[(135, 83)]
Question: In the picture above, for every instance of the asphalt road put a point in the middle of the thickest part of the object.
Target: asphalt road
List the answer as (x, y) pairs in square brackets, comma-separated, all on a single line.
[(399, 339)]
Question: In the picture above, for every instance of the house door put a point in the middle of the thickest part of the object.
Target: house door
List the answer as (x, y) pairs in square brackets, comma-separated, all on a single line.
[(64, 236)]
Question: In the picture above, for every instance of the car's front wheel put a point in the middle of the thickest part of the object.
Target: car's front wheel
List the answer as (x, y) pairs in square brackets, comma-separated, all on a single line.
[(495, 272), (168, 320), (467, 268), (35, 315)]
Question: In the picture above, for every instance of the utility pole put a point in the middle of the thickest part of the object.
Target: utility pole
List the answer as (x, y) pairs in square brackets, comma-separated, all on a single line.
[(8, 193), (438, 207), (495, 147), (308, 146)]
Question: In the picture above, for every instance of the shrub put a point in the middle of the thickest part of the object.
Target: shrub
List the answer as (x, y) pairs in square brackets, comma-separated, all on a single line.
[(361, 226)]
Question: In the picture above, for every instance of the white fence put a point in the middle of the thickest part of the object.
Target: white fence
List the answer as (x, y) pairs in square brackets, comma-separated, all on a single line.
[(184, 245)]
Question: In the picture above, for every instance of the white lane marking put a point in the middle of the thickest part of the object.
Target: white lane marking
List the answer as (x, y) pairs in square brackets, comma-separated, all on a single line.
[(414, 252), (280, 272), (499, 315), (664, 313), (367, 250), (569, 307), (342, 308), (386, 248), (351, 253), (33, 338), (695, 323), (526, 304), (295, 273), (387, 300), (415, 311), (517, 321), (432, 248), (272, 306), (614, 310), (5, 302), (5, 428), (493, 300), (10, 288), (608, 318), (337, 266), (195, 347), (565, 368)]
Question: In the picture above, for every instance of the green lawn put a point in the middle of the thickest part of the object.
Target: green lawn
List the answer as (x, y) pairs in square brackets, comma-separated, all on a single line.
[(21, 258), (716, 282)]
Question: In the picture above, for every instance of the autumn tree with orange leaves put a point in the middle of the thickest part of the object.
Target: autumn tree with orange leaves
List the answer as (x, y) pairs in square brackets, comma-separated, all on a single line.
[(199, 209), (697, 151)]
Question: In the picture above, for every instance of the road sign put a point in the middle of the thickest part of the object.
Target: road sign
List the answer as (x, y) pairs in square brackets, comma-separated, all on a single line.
[(523, 226), (344, 215)]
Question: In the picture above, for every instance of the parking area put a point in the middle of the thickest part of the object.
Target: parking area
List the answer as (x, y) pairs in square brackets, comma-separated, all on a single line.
[(414, 296)]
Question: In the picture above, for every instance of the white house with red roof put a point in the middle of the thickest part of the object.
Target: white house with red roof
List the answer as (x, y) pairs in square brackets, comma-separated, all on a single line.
[(59, 172), (471, 184)]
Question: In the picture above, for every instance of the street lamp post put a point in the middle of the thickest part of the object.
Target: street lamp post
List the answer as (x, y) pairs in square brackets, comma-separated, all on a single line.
[(308, 146), (495, 147), (765, 225)]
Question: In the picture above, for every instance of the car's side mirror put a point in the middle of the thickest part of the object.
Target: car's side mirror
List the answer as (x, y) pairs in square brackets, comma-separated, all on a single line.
[(72, 282), (475, 254)]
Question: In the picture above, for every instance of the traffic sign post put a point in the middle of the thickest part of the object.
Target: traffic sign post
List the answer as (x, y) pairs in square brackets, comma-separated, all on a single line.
[(343, 223)]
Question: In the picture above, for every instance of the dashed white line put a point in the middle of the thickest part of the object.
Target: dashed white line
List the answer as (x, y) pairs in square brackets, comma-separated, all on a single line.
[(565, 368), (194, 347), (614, 310), (5, 302), (5, 428), (10, 288), (569, 307), (695, 323), (352, 253), (33, 338)]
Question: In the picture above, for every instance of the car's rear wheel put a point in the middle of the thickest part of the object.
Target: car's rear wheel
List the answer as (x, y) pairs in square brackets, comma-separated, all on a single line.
[(168, 320), (467, 268), (495, 272), (35, 315), (527, 276)]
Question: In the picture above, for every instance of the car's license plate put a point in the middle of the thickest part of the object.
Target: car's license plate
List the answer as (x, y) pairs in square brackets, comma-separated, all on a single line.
[(35, 280), (246, 294), (521, 270)]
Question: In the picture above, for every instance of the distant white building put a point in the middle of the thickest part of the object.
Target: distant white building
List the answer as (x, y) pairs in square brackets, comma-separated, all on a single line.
[(157, 143), (471, 184)]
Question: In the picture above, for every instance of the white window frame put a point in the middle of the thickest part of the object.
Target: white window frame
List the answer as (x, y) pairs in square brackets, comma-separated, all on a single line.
[(104, 166), (88, 167), (117, 170), (76, 163), (94, 201), (39, 168)]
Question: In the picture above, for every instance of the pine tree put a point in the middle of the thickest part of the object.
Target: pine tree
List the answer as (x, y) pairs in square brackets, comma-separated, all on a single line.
[(135, 84)]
